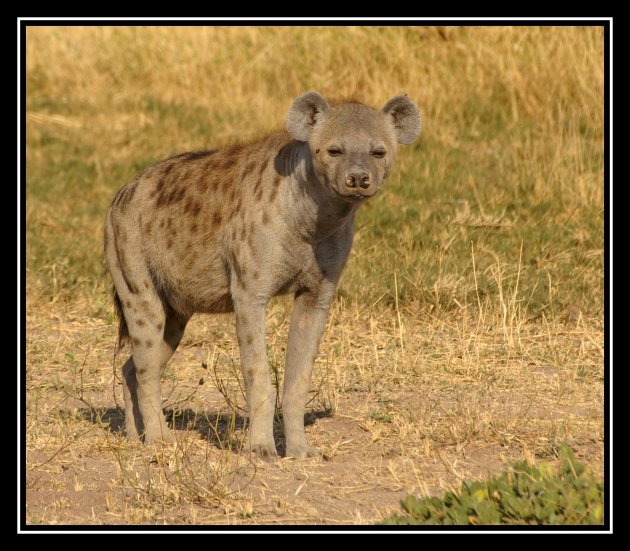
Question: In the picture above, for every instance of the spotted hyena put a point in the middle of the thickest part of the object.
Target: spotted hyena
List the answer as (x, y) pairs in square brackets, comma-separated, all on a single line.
[(226, 230)]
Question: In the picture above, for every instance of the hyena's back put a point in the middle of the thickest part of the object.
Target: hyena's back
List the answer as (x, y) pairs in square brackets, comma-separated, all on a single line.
[(175, 228)]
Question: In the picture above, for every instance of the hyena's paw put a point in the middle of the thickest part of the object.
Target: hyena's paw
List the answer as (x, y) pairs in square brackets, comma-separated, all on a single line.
[(131, 432), (266, 452), (303, 452), (161, 436)]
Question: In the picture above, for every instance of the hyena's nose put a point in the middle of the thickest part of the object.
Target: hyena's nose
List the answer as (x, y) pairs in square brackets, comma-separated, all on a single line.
[(358, 179)]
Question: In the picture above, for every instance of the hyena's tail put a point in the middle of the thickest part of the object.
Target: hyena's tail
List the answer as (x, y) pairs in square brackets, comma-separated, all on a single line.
[(123, 331)]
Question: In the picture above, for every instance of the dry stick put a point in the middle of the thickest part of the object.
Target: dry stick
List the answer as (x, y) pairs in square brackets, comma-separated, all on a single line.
[(222, 386), (79, 396), (61, 449), (400, 326), (472, 248)]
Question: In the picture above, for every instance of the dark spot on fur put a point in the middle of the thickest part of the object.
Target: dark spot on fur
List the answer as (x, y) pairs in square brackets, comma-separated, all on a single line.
[(243, 233), (216, 219), (141, 370), (250, 374), (249, 166), (274, 193), (196, 209), (193, 228), (194, 155), (140, 323), (256, 274), (249, 339), (146, 284), (173, 196), (228, 162), (237, 206), (131, 190), (119, 196), (161, 200), (236, 148), (128, 304), (265, 165), (136, 341), (148, 226), (169, 243), (258, 183), (148, 343), (265, 218), (169, 223), (158, 188), (159, 326), (202, 183), (133, 288), (232, 195), (259, 194)]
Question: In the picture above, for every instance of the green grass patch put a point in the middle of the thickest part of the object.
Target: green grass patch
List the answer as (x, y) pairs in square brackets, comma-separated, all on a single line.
[(526, 494)]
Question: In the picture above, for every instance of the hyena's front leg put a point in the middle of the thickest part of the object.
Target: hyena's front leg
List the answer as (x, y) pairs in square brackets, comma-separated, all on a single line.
[(308, 321), (261, 398)]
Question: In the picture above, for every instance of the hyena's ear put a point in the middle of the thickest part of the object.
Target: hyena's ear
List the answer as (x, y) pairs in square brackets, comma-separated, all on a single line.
[(404, 115), (305, 113)]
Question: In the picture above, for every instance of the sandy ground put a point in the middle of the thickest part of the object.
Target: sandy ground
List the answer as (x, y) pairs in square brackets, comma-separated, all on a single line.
[(409, 405)]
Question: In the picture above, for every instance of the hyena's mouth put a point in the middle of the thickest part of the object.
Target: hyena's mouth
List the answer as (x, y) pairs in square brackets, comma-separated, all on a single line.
[(352, 197)]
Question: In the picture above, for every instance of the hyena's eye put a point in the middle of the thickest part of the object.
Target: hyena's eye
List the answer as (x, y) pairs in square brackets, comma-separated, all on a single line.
[(378, 153), (334, 151)]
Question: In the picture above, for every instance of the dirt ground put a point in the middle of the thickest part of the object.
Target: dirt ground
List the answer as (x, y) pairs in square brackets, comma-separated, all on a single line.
[(401, 404)]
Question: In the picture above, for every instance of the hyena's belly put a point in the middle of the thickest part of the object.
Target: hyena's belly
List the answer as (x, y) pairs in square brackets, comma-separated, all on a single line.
[(192, 276), (202, 286)]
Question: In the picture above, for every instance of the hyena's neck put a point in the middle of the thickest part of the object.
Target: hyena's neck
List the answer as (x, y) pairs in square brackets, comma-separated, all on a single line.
[(313, 212)]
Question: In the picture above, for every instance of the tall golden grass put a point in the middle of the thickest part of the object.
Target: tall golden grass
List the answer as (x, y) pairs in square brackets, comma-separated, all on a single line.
[(547, 75)]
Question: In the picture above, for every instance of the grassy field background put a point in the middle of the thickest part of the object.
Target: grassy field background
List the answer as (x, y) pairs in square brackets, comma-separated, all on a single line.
[(469, 324)]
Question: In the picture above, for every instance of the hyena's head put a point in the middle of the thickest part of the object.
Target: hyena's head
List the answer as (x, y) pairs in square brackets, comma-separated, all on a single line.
[(353, 146)]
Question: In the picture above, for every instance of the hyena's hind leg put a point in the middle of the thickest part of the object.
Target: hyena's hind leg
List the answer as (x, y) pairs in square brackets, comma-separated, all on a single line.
[(141, 385), (153, 330)]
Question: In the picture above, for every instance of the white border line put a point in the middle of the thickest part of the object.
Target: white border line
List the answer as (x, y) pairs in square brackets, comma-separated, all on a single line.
[(610, 273), (271, 530)]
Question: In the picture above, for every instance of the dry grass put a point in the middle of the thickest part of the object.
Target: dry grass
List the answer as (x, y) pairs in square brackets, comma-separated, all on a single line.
[(468, 330), (396, 411)]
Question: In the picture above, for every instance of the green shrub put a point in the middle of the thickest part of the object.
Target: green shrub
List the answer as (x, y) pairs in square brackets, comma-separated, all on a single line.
[(527, 494)]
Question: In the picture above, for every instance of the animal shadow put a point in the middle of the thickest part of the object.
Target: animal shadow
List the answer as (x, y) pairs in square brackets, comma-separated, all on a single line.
[(223, 430)]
